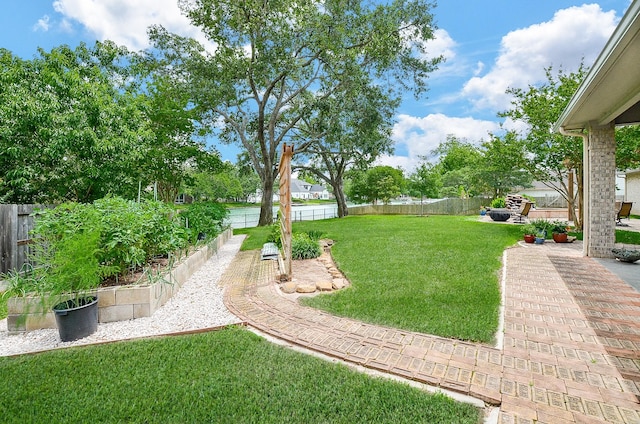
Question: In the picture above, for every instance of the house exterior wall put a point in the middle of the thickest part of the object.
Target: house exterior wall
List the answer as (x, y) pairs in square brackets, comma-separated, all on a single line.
[(632, 188), (600, 179)]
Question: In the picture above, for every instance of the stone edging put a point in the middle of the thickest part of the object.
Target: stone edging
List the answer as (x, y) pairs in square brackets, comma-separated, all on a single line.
[(119, 303), (338, 280)]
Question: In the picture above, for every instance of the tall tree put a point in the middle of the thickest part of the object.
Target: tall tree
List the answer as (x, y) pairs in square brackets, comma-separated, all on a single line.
[(351, 129), (457, 161), (502, 166), (378, 183), (69, 130), (274, 63), (550, 156), (173, 152), (628, 147), (425, 181)]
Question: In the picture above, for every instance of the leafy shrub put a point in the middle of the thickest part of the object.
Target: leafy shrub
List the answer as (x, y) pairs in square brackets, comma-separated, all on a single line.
[(315, 234), (529, 229), (542, 226), (303, 247), (123, 232), (204, 220), (67, 254), (130, 233), (498, 202), (558, 227), (275, 234)]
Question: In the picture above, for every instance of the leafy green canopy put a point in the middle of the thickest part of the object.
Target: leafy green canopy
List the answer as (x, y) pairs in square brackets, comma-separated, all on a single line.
[(78, 124), (493, 168), (274, 63), (349, 130), (550, 156), (378, 183), (66, 130)]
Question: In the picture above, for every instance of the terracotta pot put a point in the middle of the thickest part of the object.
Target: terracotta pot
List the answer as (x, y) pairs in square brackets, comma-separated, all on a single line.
[(529, 238), (560, 237)]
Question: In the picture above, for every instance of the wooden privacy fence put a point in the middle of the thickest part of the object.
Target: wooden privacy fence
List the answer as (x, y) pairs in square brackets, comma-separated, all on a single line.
[(15, 226), (441, 207)]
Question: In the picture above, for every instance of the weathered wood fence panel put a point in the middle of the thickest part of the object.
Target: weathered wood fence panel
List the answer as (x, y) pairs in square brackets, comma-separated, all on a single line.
[(16, 224), (441, 207)]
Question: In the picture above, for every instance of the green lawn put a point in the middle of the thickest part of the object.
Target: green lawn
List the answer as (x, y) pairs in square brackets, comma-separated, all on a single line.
[(230, 376), (622, 236), (627, 237), (436, 275)]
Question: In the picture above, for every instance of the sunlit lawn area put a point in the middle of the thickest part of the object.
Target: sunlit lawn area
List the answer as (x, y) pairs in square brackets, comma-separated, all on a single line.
[(622, 236), (436, 275), (229, 376)]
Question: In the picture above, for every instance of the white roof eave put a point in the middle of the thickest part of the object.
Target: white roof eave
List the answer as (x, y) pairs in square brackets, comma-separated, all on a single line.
[(612, 85)]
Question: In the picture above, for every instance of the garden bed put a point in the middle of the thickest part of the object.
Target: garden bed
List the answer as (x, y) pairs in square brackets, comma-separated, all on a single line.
[(119, 303)]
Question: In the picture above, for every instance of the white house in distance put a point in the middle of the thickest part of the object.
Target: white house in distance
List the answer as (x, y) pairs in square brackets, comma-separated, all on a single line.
[(307, 191), (301, 190)]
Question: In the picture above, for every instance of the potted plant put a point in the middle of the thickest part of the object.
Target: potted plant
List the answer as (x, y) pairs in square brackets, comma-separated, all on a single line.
[(70, 285), (559, 231), (529, 232), (541, 227), (67, 272)]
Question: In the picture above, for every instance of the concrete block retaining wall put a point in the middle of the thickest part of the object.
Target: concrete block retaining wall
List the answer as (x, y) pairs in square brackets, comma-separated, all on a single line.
[(118, 303)]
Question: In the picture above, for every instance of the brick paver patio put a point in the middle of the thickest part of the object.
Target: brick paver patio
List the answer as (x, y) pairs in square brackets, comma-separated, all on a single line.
[(569, 351)]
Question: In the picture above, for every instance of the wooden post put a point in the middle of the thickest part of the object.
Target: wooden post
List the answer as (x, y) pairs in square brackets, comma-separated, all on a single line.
[(284, 169)]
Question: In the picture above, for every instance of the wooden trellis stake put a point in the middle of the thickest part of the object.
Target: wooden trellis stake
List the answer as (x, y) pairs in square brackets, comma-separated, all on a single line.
[(284, 169)]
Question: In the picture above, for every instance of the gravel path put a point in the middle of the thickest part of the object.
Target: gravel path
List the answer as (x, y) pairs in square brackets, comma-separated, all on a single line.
[(197, 305)]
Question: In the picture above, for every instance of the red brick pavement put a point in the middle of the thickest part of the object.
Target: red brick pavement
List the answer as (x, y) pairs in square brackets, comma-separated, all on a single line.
[(569, 352)]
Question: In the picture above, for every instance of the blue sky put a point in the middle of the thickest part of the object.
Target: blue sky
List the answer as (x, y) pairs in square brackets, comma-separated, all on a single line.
[(489, 46)]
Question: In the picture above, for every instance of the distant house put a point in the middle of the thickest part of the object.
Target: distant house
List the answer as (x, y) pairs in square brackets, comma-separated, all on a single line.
[(307, 191), (301, 190), (632, 187)]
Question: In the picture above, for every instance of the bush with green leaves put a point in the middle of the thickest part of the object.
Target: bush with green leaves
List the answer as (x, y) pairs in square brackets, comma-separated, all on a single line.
[(130, 233), (315, 234), (303, 247), (529, 229), (558, 227), (275, 234), (498, 202), (542, 226), (67, 254), (133, 233), (204, 220)]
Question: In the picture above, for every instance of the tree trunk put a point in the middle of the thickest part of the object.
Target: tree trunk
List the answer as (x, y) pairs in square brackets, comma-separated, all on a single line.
[(266, 206), (338, 191)]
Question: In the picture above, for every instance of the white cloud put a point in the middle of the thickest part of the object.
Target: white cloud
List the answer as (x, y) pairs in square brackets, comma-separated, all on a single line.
[(42, 24), (571, 35), (419, 136), (479, 68), (441, 45), (126, 22)]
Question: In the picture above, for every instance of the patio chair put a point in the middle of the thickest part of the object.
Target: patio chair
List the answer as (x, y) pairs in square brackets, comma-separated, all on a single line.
[(623, 212), (522, 213)]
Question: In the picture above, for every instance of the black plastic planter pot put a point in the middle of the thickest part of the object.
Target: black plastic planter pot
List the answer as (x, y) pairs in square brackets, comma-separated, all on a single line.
[(76, 321), (500, 215)]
